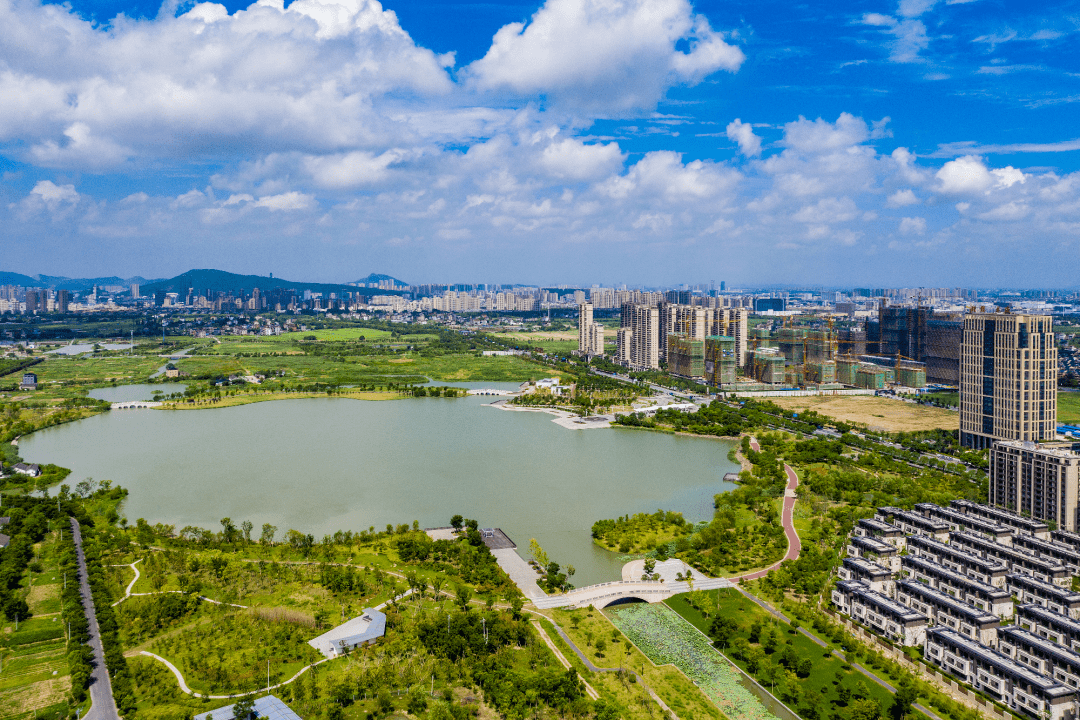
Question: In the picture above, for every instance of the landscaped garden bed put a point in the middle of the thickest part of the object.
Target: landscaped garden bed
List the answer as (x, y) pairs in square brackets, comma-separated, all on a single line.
[(665, 638)]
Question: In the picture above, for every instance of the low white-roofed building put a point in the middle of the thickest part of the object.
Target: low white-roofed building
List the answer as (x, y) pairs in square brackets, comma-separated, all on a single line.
[(365, 629), (268, 707)]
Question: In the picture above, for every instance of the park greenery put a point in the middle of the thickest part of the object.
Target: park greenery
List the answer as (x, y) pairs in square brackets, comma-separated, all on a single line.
[(461, 644), (641, 532)]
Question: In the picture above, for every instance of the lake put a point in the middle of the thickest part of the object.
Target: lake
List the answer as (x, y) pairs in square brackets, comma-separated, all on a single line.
[(320, 465), (135, 393)]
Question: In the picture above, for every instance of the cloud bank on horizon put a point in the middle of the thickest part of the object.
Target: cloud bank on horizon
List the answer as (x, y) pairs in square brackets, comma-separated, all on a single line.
[(606, 140)]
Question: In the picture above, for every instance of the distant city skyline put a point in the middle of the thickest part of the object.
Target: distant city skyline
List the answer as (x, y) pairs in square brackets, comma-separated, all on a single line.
[(650, 142)]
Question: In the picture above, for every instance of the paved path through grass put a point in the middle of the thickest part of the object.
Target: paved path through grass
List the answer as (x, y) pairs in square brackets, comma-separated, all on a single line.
[(102, 704)]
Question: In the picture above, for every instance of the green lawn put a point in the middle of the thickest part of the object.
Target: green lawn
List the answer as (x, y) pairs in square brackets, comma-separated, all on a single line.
[(827, 675), (1069, 408), (35, 679), (338, 334)]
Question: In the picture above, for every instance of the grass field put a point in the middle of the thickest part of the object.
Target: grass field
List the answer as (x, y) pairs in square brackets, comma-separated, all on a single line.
[(337, 334), (586, 627), (820, 687), (1069, 408), (552, 341), (35, 681), (876, 412)]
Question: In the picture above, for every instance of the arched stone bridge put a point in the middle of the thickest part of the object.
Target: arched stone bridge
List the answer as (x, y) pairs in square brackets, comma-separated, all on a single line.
[(604, 594)]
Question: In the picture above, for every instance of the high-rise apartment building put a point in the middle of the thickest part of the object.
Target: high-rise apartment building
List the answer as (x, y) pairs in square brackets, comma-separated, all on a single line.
[(1008, 379), (35, 300), (1041, 481), (135, 291), (643, 321), (590, 334), (63, 300), (622, 345)]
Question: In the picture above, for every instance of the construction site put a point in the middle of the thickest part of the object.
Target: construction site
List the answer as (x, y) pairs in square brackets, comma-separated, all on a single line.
[(905, 350)]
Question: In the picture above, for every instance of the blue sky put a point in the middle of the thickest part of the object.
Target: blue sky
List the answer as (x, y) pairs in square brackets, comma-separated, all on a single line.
[(573, 141)]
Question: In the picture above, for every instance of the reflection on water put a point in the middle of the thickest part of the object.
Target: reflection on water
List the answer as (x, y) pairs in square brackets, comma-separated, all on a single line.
[(320, 465), (133, 393)]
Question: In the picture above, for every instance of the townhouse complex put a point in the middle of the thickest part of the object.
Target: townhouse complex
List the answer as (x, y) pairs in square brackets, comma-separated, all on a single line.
[(986, 592)]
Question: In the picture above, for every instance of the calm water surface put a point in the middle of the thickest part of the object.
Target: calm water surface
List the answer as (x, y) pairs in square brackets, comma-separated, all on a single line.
[(319, 465), (133, 393)]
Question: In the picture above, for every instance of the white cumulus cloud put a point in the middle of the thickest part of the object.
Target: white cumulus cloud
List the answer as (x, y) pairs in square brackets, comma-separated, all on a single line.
[(902, 198), (606, 55), (969, 174), (913, 226), (743, 134)]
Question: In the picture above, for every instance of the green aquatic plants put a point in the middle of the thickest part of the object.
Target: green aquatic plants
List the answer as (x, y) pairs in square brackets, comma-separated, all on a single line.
[(665, 638)]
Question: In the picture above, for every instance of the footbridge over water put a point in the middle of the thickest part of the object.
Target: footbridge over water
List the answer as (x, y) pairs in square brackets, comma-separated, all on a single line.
[(604, 594)]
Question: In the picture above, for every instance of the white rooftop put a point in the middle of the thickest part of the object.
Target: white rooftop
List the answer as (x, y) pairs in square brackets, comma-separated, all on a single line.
[(268, 707), (366, 628)]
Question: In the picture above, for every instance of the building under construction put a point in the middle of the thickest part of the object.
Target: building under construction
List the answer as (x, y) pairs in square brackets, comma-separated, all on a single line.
[(721, 360), (686, 356), (768, 366), (916, 333)]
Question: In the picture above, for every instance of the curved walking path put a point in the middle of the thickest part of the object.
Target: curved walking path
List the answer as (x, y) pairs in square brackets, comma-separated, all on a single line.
[(786, 520), (102, 704), (184, 686), (562, 658), (127, 592), (593, 668)]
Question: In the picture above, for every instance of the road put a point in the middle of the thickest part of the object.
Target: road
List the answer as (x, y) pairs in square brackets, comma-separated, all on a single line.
[(102, 704), (786, 520)]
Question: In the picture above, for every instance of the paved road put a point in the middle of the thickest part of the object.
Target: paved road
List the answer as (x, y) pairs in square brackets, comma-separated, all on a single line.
[(103, 706), (794, 543)]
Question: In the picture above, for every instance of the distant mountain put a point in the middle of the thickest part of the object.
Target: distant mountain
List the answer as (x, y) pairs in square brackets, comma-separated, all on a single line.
[(58, 282), (379, 277), (85, 284), (219, 280), (10, 278)]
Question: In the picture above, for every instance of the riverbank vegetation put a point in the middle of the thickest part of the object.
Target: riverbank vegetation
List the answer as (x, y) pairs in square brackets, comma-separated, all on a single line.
[(607, 646), (458, 645), (641, 532), (584, 394)]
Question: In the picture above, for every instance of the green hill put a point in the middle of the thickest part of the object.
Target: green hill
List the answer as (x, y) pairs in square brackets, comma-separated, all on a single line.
[(221, 281)]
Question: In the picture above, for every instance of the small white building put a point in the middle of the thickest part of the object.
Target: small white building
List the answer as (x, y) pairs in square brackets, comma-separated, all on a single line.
[(363, 630)]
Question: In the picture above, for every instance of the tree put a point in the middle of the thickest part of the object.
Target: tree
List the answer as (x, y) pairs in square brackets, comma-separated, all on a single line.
[(243, 708), (538, 553), (601, 646), (650, 565), (417, 701), (864, 709), (463, 596), (247, 526), (723, 629), (906, 695), (228, 530), (456, 522), (268, 532)]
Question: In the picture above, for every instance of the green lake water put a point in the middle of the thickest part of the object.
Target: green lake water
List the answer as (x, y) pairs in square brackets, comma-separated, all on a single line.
[(319, 465)]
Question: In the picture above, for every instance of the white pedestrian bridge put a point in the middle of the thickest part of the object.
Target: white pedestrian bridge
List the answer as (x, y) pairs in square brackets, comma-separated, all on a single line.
[(604, 594), (134, 404)]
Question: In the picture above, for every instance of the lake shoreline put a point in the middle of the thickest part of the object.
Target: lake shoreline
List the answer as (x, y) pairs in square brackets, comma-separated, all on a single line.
[(249, 399), (321, 466)]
